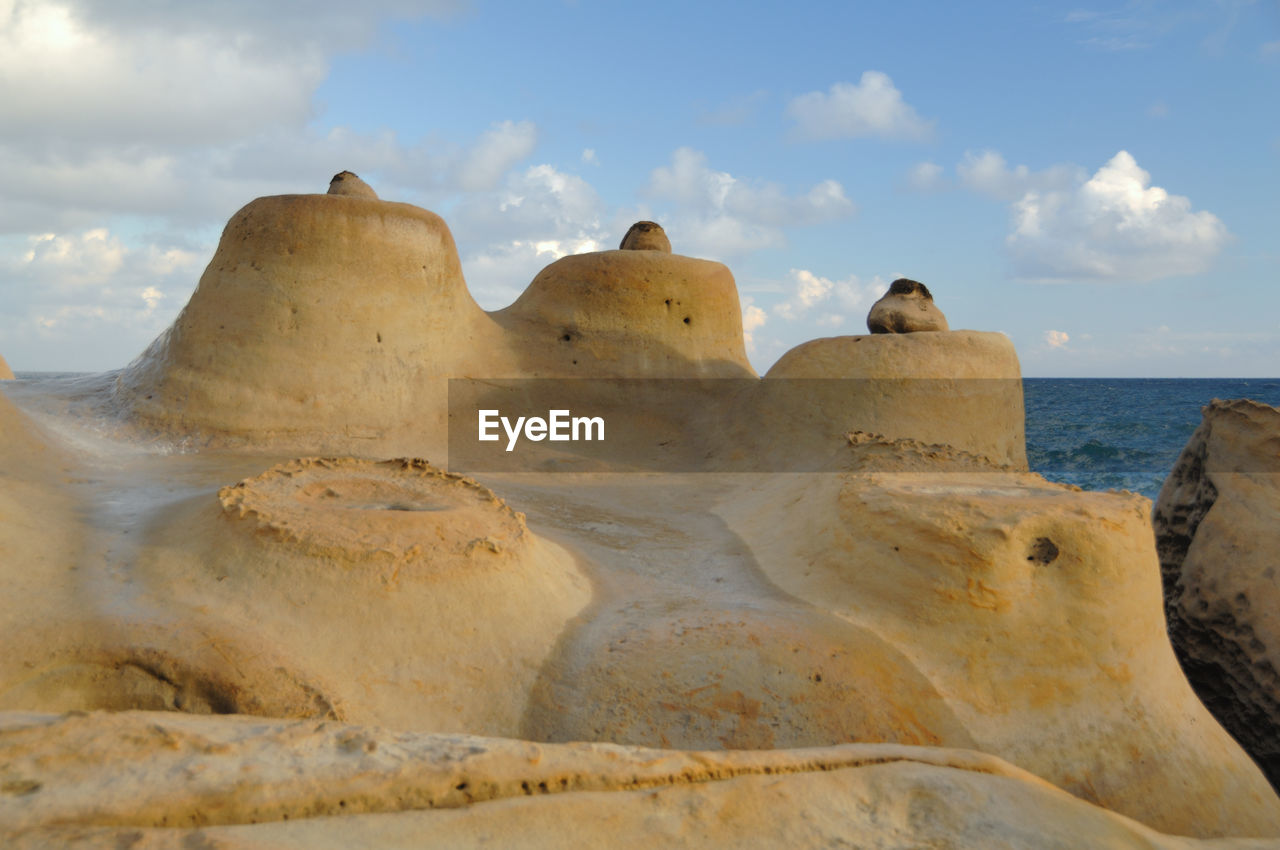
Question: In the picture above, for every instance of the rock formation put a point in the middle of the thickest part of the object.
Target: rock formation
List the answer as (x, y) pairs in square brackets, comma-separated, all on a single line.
[(916, 643), (962, 389), (6, 374), (347, 183), (906, 308), (629, 314), (329, 785), (1218, 538), (646, 236)]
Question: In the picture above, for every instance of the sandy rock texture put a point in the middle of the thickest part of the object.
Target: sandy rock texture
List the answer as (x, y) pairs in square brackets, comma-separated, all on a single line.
[(906, 308), (348, 183), (6, 373), (1054, 595), (322, 319), (629, 313), (229, 620), (1218, 538), (962, 389), (320, 785)]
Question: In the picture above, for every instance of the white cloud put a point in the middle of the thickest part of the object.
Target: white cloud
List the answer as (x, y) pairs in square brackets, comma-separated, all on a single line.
[(506, 236), (89, 300), (1114, 226), (753, 318), (722, 216), (589, 156), (834, 298), (988, 173), (494, 154), (1057, 339), (871, 107), (926, 177)]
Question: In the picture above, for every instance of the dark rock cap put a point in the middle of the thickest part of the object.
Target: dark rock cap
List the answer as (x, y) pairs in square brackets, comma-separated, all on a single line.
[(646, 236)]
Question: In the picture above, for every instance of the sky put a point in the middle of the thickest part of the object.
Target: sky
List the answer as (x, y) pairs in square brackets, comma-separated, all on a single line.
[(1097, 181)]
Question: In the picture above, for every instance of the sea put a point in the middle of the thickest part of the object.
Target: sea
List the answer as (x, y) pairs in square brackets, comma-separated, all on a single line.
[(1122, 433), (1103, 433)]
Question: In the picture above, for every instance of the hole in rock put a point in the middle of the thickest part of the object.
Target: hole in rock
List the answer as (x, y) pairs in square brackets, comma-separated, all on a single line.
[(1043, 551), (566, 337), (686, 320)]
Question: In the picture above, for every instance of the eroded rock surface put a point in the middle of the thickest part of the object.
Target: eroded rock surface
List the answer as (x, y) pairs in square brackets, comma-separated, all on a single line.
[(1035, 611), (331, 785), (1217, 524), (209, 532), (906, 308), (646, 236)]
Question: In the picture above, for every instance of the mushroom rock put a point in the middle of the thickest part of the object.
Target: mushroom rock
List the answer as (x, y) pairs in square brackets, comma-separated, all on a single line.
[(1035, 611), (906, 308), (347, 183), (646, 236), (409, 592), (107, 780), (329, 321), (6, 374), (962, 389), (629, 313), (1217, 534)]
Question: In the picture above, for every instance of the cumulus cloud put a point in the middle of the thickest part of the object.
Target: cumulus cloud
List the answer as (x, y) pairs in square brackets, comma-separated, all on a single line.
[(833, 300), (719, 215), (494, 154), (1113, 226), (988, 173), (871, 107), (1057, 339), (506, 236), (753, 318), (93, 288)]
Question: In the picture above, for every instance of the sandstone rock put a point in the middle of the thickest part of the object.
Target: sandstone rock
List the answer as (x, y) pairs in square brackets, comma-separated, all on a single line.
[(6, 374), (646, 236), (400, 595), (108, 781), (347, 183), (906, 308), (326, 321), (962, 389), (932, 596), (634, 313), (1218, 538), (1035, 611)]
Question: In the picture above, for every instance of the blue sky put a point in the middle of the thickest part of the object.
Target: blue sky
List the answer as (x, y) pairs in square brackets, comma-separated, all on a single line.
[(1098, 181)]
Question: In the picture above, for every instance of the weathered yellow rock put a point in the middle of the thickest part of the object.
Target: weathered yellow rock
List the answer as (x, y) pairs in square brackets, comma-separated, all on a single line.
[(347, 183), (1218, 537), (633, 314), (646, 236), (6, 374), (1035, 611), (906, 308), (109, 781), (962, 388), (322, 320), (402, 595)]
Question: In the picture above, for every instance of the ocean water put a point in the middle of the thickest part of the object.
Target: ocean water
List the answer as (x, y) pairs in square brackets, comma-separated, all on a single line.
[(1122, 433)]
